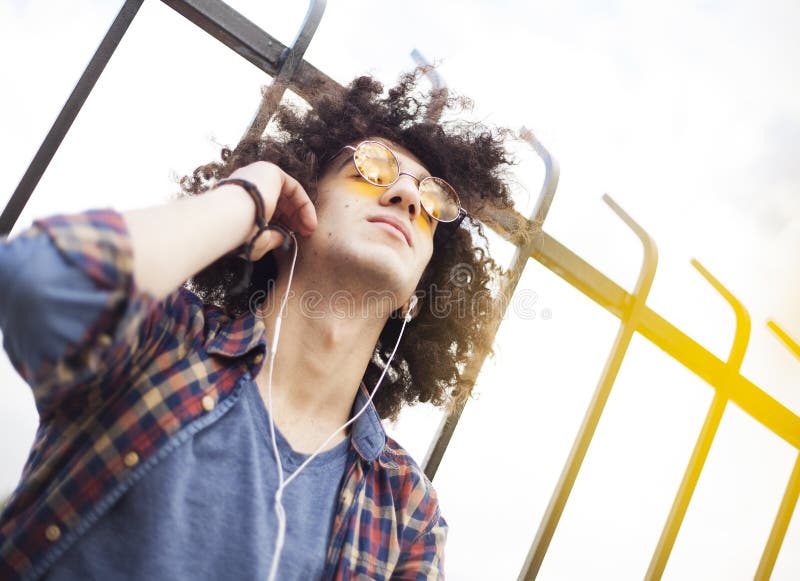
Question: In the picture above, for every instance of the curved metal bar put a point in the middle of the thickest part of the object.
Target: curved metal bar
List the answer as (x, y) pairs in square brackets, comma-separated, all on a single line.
[(551, 176), (527, 246), (534, 237), (440, 90), (742, 335), (790, 495), (706, 437), (787, 340), (433, 75), (288, 63), (629, 321), (509, 223)]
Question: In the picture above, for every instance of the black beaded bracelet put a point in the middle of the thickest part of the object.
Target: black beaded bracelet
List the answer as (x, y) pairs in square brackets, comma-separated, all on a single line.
[(261, 222)]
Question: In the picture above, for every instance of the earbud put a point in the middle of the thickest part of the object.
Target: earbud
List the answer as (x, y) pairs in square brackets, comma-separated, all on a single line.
[(288, 235), (412, 303)]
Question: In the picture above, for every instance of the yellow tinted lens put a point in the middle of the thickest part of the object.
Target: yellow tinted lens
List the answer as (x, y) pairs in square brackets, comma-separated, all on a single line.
[(376, 163), (439, 199)]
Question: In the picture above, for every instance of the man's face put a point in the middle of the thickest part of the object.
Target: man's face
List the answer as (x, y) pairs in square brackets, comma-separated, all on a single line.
[(379, 234)]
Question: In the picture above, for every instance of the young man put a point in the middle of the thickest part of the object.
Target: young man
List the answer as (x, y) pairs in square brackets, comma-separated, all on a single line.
[(185, 432)]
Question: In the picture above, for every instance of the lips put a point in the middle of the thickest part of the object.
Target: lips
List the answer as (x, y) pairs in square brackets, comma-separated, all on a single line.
[(395, 223)]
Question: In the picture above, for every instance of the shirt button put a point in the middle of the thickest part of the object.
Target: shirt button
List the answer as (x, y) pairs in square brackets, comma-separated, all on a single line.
[(131, 459), (258, 358), (52, 533), (208, 403)]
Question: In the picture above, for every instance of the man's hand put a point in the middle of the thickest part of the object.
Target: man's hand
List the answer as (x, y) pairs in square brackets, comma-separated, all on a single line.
[(174, 241), (285, 202)]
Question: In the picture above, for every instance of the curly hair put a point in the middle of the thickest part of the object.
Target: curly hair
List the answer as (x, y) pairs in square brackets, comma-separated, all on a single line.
[(451, 327)]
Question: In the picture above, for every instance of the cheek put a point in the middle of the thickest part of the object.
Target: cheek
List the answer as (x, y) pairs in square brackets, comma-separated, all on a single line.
[(363, 189), (426, 255), (337, 197), (347, 195), (422, 223)]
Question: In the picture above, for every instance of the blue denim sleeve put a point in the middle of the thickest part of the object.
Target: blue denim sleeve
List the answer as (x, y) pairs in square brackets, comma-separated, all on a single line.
[(46, 304), (76, 326)]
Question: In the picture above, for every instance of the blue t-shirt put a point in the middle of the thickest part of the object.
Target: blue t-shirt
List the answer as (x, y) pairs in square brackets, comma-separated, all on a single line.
[(206, 511)]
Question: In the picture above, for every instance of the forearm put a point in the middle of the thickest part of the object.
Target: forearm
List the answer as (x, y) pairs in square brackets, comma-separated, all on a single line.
[(174, 241)]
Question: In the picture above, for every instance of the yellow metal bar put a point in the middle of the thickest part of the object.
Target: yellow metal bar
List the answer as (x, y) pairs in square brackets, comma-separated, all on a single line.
[(686, 488), (789, 501), (780, 525), (569, 474), (790, 343), (707, 434), (742, 336)]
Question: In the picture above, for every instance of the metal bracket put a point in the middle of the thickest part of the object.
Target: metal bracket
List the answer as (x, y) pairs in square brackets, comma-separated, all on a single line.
[(288, 62)]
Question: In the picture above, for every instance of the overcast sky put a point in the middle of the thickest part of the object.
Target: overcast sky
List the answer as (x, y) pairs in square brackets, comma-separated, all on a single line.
[(686, 113)]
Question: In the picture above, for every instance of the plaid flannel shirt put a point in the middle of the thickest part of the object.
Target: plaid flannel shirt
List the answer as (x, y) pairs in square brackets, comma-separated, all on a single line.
[(120, 399)]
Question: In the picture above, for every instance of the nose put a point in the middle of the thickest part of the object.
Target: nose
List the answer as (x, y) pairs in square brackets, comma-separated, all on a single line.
[(405, 193)]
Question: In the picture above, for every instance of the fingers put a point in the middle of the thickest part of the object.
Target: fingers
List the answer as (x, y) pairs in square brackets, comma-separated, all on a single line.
[(294, 208), (285, 202)]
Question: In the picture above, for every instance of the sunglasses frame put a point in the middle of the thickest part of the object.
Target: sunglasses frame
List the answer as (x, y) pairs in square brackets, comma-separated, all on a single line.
[(462, 213)]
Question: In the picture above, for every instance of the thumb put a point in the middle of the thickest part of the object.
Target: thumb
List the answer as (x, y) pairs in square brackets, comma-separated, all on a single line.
[(278, 238), (267, 242)]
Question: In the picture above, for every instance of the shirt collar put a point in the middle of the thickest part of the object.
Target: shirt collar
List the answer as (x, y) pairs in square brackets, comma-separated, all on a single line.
[(245, 337), (368, 435)]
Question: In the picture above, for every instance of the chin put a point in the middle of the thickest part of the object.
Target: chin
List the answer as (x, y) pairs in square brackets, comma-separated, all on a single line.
[(376, 264)]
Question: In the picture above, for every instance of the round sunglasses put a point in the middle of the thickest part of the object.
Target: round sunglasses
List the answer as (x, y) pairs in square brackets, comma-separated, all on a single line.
[(379, 165)]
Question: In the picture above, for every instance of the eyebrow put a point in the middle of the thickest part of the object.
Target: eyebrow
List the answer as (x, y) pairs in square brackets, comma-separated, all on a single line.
[(345, 161)]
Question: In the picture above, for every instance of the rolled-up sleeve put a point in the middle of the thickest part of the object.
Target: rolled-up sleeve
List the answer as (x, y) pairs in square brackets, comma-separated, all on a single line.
[(70, 312)]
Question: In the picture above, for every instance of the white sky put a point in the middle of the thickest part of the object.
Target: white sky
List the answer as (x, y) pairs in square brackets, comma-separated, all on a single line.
[(686, 113)]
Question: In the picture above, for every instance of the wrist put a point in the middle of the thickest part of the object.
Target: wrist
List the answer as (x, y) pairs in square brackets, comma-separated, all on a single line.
[(235, 211), (260, 218), (246, 189)]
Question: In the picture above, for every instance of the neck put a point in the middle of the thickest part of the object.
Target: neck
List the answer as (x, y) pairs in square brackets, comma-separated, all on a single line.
[(325, 344)]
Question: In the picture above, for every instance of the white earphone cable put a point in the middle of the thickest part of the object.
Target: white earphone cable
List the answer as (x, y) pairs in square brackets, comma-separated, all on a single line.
[(279, 510)]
